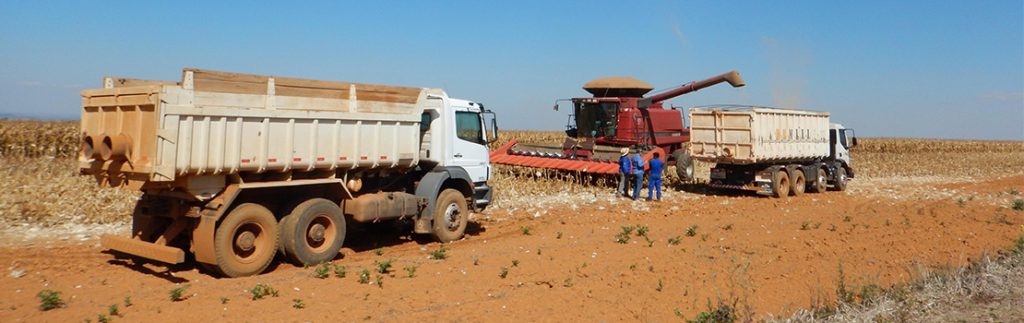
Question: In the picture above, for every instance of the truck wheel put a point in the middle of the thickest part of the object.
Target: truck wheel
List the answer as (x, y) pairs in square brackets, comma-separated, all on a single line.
[(313, 232), (780, 183), (820, 183), (451, 216), (684, 164), (799, 181), (245, 241), (841, 179)]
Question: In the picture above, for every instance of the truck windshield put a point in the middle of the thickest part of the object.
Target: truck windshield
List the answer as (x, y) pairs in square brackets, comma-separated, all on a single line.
[(849, 139), (468, 127), (596, 119)]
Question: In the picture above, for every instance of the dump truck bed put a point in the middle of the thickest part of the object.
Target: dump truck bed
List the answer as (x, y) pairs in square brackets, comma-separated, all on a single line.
[(747, 135), (217, 123)]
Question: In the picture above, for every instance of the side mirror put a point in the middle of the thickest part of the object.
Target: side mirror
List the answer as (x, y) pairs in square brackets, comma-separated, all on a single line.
[(854, 142), (494, 130), (556, 106)]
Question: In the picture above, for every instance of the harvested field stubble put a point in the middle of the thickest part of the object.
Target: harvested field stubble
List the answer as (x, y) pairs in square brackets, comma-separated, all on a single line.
[(48, 192)]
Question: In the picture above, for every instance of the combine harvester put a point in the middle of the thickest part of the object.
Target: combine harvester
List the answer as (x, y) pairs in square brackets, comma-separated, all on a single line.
[(618, 115)]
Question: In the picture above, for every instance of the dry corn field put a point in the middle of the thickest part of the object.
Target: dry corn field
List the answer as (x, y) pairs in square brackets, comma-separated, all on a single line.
[(40, 185)]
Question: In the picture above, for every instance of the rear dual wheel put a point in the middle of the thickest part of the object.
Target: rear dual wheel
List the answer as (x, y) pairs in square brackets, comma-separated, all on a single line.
[(313, 232), (796, 176), (780, 183), (245, 241)]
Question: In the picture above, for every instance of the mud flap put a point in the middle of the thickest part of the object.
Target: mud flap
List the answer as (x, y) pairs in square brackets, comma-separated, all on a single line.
[(202, 240)]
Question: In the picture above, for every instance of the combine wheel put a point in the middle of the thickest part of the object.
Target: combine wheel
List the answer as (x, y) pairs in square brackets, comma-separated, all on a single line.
[(684, 165), (841, 179), (820, 183), (451, 216), (245, 241), (798, 180), (780, 183), (313, 232)]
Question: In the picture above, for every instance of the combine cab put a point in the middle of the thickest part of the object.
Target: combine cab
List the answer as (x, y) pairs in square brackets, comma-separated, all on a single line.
[(618, 115)]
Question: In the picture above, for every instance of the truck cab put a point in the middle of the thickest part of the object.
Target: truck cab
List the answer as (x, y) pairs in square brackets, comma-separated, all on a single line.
[(455, 140), (841, 139)]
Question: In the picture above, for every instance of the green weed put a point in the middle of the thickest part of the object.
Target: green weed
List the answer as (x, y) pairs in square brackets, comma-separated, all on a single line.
[(322, 271), (178, 293), (364, 276), (439, 254), (384, 267), (49, 299), (675, 240), (691, 231), (262, 290)]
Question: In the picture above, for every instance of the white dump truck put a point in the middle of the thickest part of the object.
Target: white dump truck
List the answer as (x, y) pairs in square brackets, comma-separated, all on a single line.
[(777, 152), (236, 168)]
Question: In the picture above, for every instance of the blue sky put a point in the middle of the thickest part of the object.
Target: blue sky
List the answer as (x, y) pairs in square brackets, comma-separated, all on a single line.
[(940, 69)]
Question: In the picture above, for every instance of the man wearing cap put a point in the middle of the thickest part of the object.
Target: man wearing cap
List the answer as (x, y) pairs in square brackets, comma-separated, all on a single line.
[(625, 171)]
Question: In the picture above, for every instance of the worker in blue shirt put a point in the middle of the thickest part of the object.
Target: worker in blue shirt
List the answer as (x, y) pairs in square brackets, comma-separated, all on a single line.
[(625, 172), (638, 173), (654, 180)]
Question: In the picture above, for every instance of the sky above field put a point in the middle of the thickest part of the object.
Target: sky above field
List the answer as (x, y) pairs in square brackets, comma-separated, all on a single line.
[(939, 69)]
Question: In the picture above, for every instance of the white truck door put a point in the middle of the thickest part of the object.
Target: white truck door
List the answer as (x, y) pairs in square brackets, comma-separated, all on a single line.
[(469, 150)]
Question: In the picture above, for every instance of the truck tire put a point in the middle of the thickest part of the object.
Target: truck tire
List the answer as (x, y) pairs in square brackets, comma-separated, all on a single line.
[(780, 183), (840, 183), (313, 232), (684, 164), (820, 183), (245, 241), (798, 180), (451, 216)]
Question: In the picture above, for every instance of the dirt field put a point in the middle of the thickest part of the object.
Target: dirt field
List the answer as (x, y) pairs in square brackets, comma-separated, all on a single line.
[(553, 254)]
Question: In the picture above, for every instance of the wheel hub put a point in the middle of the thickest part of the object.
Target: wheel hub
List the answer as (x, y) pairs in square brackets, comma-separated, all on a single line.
[(316, 232), (451, 216), (246, 241)]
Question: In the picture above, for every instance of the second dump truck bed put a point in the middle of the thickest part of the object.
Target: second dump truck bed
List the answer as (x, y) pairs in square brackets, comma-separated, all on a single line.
[(748, 135)]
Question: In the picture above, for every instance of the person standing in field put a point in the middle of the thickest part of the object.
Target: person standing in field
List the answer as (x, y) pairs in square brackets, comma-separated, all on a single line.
[(654, 180), (625, 172), (638, 173)]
